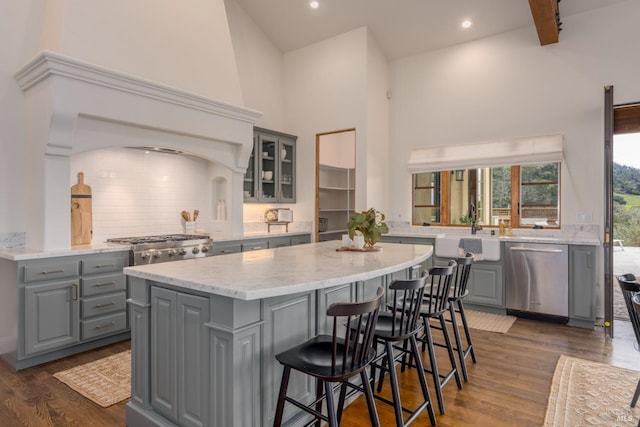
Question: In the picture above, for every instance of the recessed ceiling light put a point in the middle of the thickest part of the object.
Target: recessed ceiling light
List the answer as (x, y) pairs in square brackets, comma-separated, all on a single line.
[(314, 4), (466, 24)]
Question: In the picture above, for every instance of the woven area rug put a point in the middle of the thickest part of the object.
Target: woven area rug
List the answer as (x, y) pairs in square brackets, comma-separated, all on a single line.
[(585, 393), (488, 321), (106, 381)]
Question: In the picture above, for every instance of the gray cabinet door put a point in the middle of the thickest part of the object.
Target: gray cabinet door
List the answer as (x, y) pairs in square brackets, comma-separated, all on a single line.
[(485, 285), (582, 279), (179, 356), (164, 359), (288, 321), (52, 316), (193, 360)]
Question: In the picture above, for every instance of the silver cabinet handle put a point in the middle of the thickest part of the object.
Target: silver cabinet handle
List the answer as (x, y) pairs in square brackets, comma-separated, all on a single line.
[(551, 251), (105, 266), (105, 325), (104, 284), (52, 272), (75, 292), (106, 304)]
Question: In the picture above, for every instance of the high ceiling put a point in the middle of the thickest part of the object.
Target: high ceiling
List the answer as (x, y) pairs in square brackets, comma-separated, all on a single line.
[(401, 27)]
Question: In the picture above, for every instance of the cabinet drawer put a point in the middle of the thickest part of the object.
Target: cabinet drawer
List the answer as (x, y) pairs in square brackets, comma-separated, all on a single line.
[(95, 285), (104, 325), (254, 246), (103, 304), (300, 240), (219, 249), (103, 264), (38, 272)]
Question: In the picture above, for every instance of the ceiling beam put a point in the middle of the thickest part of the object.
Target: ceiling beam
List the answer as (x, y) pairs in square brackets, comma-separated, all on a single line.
[(544, 16)]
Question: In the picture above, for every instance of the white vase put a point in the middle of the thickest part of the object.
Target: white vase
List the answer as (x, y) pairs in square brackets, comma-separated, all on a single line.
[(283, 153), (358, 241)]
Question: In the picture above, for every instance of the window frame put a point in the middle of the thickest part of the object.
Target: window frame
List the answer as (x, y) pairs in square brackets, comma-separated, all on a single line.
[(515, 210)]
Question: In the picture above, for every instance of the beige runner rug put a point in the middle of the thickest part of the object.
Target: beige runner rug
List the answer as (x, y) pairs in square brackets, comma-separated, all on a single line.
[(487, 321), (585, 393), (105, 381)]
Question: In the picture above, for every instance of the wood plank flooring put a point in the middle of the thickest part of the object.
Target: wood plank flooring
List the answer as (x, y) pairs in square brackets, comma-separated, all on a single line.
[(508, 386)]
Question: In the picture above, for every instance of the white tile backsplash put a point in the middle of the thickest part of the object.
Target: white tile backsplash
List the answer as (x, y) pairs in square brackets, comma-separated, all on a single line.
[(140, 193)]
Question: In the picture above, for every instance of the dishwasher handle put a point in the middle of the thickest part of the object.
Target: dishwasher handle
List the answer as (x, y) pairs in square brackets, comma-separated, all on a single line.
[(550, 251)]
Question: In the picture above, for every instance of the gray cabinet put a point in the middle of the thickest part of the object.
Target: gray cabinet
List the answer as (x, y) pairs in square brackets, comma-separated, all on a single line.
[(224, 248), (67, 305), (50, 316), (582, 279), (179, 356), (288, 321), (247, 245), (254, 245), (271, 172), (486, 286), (103, 307)]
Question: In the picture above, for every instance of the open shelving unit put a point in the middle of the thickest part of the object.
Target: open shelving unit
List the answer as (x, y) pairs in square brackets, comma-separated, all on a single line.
[(336, 200)]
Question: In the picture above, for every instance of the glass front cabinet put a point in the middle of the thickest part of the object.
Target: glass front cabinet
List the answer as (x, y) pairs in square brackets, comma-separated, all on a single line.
[(271, 172)]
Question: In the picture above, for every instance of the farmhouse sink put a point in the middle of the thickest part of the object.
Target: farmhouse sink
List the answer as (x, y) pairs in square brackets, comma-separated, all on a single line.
[(449, 247)]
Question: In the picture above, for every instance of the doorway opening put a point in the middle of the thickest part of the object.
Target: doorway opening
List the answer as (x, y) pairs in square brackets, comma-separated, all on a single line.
[(335, 183), (625, 203)]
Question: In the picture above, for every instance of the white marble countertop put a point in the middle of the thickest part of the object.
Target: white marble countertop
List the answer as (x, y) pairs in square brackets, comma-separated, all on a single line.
[(23, 254), (282, 271)]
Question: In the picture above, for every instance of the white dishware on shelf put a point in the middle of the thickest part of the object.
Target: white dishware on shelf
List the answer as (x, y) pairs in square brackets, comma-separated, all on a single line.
[(268, 175)]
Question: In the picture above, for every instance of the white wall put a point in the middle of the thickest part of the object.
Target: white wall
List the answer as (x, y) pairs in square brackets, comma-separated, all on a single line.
[(508, 86), (16, 43), (325, 91), (185, 46), (377, 105), (260, 68)]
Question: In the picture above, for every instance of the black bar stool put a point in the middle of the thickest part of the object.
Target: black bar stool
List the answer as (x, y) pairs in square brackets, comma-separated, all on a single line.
[(334, 359), (636, 306), (397, 330), (458, 292), (630, 287), (434, 304)]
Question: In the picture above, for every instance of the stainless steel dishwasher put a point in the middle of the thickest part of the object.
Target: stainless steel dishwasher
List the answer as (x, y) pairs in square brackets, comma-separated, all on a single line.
[(537, 280)]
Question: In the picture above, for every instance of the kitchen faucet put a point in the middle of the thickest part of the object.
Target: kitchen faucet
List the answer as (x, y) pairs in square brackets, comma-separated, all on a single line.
[(472, 211)]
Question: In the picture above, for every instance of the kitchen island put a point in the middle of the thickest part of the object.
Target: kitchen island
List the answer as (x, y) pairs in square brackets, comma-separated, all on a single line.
[(205, 331)]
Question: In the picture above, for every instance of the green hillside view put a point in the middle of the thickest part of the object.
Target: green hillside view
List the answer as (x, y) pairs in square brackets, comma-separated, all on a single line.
[(626, 204)]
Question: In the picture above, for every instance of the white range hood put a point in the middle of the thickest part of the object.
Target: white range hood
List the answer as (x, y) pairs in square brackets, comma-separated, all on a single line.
[(74, 106)]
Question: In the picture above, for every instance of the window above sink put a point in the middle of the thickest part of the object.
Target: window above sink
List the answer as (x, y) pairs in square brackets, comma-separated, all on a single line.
[(517, 196)]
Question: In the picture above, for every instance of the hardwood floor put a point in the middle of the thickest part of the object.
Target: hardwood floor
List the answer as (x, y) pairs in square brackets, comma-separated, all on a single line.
[(508, 386)]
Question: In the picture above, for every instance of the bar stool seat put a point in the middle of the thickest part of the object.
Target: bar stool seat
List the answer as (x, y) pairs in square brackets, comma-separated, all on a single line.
[(334, 359)]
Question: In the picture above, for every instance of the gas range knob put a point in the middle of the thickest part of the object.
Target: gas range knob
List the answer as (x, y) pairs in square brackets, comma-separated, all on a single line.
[(205, 249), (171, 252), (144, 255), (195, 250), (181, 251), (156, 254)]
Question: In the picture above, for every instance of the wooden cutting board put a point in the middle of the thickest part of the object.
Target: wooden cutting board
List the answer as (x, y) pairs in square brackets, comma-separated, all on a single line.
[(81, 227)]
